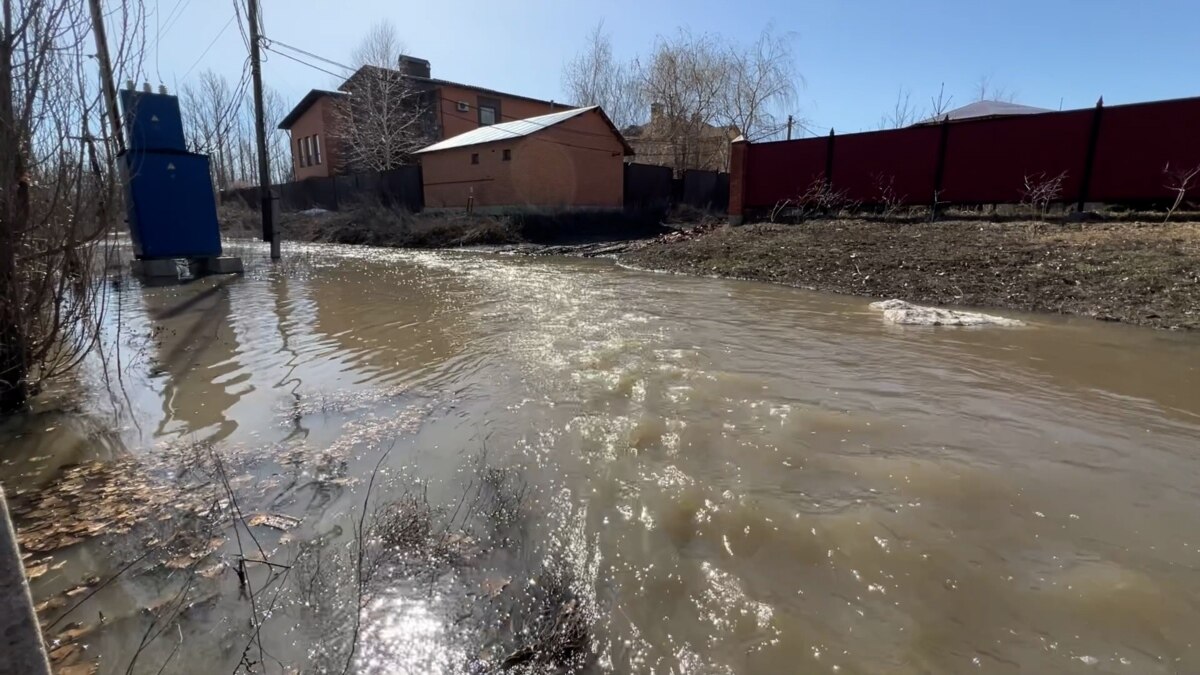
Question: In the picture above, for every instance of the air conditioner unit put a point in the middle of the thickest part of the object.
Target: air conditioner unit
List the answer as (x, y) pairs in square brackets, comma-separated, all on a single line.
[(463, 107)]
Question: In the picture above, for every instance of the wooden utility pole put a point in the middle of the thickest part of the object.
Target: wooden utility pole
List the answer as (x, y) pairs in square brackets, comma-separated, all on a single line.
[(260, 132), (106, 75)]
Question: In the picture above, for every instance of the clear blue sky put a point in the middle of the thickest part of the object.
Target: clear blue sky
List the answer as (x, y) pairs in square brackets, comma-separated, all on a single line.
[(854, 55)]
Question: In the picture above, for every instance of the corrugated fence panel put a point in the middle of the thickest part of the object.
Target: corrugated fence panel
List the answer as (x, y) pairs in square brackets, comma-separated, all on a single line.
[(1137, 142), (647, 188), (907, 158), (987, 161), (783, 170)]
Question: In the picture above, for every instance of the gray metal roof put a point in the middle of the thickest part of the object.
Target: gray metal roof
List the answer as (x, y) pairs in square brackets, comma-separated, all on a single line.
[(981, 109), (506, 131)]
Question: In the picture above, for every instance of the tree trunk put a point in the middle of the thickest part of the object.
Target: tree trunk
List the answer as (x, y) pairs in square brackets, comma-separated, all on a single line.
[(14, 217)]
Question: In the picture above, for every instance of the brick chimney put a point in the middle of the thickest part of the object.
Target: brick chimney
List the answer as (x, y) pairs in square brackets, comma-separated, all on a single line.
[(412, 66), (656, 113)]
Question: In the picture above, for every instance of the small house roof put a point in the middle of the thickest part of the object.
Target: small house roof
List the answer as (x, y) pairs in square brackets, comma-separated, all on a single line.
[(985, 109), (506, 131)]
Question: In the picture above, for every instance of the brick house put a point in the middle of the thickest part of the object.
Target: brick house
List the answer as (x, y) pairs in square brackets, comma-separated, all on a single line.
[(681, 146), (449, 109), (573, 159)]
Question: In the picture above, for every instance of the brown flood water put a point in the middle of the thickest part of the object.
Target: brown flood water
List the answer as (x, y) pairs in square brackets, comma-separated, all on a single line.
[(741, 478)]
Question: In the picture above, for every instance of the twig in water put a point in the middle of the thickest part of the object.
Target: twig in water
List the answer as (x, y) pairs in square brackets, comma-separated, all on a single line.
[(360, 533)]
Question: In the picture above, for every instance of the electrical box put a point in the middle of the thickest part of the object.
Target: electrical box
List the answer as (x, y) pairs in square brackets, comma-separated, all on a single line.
[(171, 210), (152, 121)]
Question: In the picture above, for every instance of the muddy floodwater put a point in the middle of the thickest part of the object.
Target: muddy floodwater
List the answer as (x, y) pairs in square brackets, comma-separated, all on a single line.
[(682, 475)]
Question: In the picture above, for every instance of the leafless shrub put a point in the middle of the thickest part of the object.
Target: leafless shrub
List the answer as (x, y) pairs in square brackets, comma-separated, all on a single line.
[(889, 200), (1039, 191), (556, 631), (1179, 181), (822, 199), (59, 187)]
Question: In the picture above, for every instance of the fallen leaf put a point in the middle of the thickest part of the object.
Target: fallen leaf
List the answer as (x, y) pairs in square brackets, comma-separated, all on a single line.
[(36, 571)]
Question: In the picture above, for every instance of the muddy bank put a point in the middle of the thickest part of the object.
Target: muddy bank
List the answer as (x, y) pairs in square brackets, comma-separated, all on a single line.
[(1139, 273), (381, 226)]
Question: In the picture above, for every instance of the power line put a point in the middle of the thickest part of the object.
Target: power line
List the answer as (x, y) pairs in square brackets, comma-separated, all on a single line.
[(301, 61), (173, 18), (271, 42), (210, 46)]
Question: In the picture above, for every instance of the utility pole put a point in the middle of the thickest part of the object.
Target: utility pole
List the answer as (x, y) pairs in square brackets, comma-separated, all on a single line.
[(106, 75), (789, 127), (260, 132)]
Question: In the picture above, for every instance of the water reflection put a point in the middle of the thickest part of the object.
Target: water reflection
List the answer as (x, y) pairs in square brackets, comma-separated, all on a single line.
[(713, 476)]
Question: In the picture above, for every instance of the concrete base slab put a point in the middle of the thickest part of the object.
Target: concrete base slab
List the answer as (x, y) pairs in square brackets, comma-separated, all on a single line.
[(163, 268), (225, 264), (185, 268)]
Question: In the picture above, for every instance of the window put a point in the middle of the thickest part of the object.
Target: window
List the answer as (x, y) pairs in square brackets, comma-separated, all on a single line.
[(317, 148), (487, 115), (474, 157), (308, 154), (299, 152), (507, 155)]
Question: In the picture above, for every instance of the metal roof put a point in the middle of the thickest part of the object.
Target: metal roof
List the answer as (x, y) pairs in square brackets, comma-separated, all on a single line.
[(506, 130), (982, 109)]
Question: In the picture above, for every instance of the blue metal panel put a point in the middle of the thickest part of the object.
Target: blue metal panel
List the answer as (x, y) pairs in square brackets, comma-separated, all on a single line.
[(152, 121), (172, 212)]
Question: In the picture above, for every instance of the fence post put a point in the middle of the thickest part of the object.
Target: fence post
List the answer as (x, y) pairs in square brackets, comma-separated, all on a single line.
[(939, 173), (1093, 141), (829, 161), (738, 165)]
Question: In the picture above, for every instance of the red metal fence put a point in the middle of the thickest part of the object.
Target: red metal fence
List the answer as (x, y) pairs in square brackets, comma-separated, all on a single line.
[(1117, 154)]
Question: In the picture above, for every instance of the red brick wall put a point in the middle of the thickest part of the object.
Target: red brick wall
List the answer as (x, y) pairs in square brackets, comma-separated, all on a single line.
[(455, 122), (577, 163), (317, 120)]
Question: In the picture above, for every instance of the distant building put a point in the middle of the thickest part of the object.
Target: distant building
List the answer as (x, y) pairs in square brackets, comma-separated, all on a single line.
[(982, 110), (450, 108), (565, 160), (681, 144)]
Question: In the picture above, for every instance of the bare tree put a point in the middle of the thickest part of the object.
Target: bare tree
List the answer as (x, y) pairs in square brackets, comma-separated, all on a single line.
[(940, 105), (59, 193), (383, 120), (985, 90), (762, 84), (685, 78), (903, 112), (701, 89), (380, 47), (596, 77)]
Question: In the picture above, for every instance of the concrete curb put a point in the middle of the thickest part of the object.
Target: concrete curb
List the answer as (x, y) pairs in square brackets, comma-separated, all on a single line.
[(21, 649)]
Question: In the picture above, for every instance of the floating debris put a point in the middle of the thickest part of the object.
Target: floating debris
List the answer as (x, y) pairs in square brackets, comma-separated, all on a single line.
[(901, 312), (273, 520)]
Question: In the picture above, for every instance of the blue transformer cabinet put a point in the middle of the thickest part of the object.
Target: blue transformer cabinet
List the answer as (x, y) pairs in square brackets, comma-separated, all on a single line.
[(170, 204)]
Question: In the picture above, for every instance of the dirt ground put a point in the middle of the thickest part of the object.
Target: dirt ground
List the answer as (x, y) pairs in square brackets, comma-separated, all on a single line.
[(1136, 272)]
